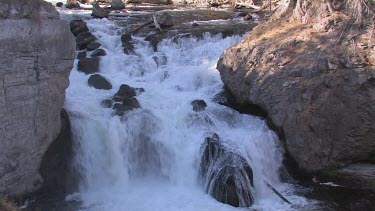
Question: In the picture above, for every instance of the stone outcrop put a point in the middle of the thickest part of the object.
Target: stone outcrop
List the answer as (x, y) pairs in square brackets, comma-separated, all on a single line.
[(37, 52), (314, 84)]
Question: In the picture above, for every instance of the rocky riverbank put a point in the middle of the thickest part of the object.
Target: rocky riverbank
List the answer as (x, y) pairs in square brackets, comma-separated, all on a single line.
[(314, 82), (37, 51)]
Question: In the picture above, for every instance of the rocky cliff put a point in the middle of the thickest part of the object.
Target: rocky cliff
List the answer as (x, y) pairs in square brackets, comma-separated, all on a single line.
[(316, 83), (37, 52)]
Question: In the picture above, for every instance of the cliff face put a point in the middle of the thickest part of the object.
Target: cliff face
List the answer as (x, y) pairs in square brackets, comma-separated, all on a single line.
[(317, 84), (37, 52)]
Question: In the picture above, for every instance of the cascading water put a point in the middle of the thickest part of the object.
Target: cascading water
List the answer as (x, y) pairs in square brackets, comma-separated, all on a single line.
[(149, 159)]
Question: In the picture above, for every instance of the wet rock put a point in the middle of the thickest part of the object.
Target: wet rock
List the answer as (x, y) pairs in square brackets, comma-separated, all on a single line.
[(89, 65), (107, 103), (81, 55), (226, 175), (98, 12), (83, 39), (78, 26), (127, 105), (194, 24), (198, 105), (224, 98), (59, 4), (99, 82), (248, 17), (98, 52), (125, 91), (72, 4), (93, 45), (160, 59), (117, 5), (126, 40), (165, 20)]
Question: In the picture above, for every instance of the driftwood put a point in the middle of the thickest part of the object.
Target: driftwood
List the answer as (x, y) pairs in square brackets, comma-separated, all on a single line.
[(157, 25), (278, 193)]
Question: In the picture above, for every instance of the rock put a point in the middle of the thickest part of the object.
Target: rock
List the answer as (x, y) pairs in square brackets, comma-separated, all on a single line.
[(226, 175), (325, 115), (194, 24), (198, 105), (71, 4), (89, 65), (248, 17), (126, 40), (99, 82), (125, 91), (98, 52), (37, 54), (359, 175), (160, 59), (93, 45), (59, 4), (127, 105), (117, 5), (98, 12), (83, 39), (81, 55), (59, 177), (165, 20), (78, 26), (107, 103)]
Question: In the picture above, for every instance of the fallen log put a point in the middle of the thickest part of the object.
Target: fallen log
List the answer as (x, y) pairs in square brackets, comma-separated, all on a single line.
[(278, 193)]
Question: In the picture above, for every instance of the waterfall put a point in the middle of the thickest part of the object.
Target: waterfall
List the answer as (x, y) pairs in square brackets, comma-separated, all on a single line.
[(149, 158)]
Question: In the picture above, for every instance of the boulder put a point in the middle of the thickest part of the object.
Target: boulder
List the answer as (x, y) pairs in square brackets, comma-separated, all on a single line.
[(126, 40), (99, 82), (98, 12), (89, 65), (83, 39), (165, 20), (324, 112), (98, 52), (37, 54), (117, 5), (78, 26), (93, 46), (59, 4), (198, 105), (125, 91), (127, 105), (81, 55), (71, 4), (226, 175)]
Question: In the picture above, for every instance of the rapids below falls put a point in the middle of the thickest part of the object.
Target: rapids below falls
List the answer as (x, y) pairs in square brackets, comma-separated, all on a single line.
[(150, 159)]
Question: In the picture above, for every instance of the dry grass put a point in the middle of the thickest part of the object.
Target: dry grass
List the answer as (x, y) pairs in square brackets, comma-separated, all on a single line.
[(6, 205)]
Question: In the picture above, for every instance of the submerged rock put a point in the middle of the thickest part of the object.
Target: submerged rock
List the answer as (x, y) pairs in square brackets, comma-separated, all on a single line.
[(107, 103), (81, 55), (99, 82), (198, 105), (89, 65), (226, 175)]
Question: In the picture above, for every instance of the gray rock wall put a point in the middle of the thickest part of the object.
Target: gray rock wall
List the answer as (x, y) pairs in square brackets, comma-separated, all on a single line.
[(37, 52)]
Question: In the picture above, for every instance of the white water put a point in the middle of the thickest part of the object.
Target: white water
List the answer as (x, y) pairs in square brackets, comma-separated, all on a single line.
[(121, 172)]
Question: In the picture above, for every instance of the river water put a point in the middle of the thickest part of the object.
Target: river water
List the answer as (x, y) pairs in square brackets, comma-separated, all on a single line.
[(148, 159)]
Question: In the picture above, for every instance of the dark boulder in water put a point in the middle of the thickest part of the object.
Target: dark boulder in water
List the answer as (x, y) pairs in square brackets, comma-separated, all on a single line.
[(127, 43), (83, 39), (78, 26), (98, 12), (198, 105), (127, 105), (99, 82), (125, 91), (89, 65), (98, 52), (81, 55), (93, 45), (226, 175)]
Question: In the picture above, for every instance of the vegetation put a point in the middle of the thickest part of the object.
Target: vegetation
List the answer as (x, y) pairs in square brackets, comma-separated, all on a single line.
[(6, 205)]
